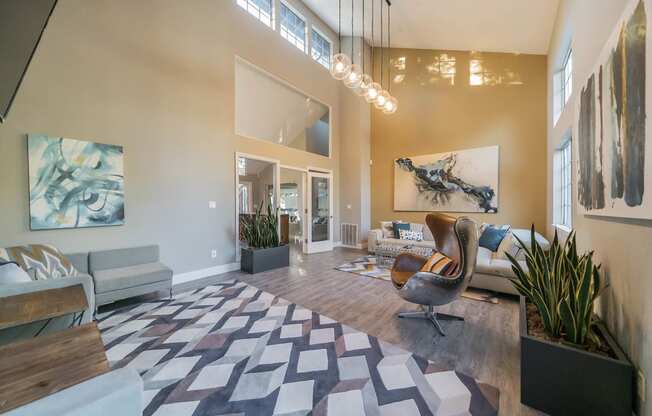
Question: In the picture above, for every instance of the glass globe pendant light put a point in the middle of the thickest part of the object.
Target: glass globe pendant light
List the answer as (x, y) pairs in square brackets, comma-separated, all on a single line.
[(372, 92), (340, 63), (354, 77), (382, 99), (390, 106), (365, 83), (340, 66)]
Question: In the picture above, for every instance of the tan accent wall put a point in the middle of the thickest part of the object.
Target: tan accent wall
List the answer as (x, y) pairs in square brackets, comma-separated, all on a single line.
[(156, 76), (440, 112), (622, 245)]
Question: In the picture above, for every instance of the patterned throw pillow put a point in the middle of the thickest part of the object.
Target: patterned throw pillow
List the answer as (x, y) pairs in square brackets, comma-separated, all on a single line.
[(440, 264), (411, 235), (387, 228), (398, 226), (46, 261), (492, 236)]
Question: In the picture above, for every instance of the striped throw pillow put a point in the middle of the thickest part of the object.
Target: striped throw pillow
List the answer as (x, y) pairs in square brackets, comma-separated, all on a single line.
[(440, 264)]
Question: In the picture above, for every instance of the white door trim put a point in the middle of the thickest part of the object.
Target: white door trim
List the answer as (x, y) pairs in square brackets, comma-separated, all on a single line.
[(320, 246)]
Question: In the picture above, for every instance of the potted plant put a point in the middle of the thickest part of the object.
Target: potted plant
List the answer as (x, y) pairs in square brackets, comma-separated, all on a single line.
[(264, 251), (570, 364)]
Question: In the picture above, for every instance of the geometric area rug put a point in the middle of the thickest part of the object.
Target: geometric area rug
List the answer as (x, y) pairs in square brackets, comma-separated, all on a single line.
[(232, 349)]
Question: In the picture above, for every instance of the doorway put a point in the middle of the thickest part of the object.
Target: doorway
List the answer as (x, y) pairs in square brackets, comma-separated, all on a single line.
[(257, 188), (320, 212), (292, 207)]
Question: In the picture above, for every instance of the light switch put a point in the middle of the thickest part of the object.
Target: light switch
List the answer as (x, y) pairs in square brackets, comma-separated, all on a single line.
[(348, 206), (212, 204)]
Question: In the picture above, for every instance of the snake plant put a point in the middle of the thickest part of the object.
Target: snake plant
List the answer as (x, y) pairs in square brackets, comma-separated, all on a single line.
[(261, 230), (562, 285)]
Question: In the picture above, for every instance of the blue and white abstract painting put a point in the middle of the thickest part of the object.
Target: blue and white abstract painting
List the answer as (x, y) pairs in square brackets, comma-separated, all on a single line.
[(74, 183)]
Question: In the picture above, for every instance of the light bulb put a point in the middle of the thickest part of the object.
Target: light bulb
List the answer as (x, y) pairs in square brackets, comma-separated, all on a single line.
[(382, 98), (390, 106), (341, 66), (365, 83), (354, 78), (372, 92)]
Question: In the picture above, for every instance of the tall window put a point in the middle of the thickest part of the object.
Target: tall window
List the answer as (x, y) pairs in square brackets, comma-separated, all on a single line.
[(563, 85), (321, 49), (563, 185), (293, 27), (260, 9)]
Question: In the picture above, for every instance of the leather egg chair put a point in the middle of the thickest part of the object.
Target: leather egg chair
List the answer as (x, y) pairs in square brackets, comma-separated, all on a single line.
[(456, 238)]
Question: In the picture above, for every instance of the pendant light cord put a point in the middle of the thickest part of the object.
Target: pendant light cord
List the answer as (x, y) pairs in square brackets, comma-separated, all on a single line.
[(389, 47), (382, 52), (362, 37), (352, 16), (339, 25)]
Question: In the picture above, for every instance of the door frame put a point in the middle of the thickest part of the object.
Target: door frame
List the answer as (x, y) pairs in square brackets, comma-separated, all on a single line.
[(320, 246), (277, 192)]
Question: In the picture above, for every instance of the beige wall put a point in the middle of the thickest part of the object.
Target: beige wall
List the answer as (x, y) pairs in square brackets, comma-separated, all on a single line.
[(623, 246), (156, 76), (439, 115)]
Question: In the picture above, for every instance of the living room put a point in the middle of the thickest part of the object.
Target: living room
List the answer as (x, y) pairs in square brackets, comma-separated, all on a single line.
[(237, 206)]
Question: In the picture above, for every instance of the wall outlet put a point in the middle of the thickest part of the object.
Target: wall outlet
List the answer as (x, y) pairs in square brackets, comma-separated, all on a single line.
[(214, 254), (641, 386), (212, 204)]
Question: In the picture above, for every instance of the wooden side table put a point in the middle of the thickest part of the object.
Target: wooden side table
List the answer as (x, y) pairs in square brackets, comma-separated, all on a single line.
[(40, 366), (44, 305)]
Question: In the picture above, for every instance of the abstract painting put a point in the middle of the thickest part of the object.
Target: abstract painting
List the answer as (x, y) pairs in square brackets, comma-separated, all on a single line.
[(611, 130), (459, 181), (74, 183)]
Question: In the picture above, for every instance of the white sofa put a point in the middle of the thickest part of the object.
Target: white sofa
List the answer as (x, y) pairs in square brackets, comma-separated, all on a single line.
[(492, 268)]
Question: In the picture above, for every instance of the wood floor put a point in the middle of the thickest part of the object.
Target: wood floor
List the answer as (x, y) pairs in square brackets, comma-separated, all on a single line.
[(485, 346)]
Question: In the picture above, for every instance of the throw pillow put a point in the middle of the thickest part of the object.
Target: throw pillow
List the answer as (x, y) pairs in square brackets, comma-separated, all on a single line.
[(46, 261), (387, 228), (440, 264), (492, 236), (11, 273), (411, 235), (398, 226), (509, 245)]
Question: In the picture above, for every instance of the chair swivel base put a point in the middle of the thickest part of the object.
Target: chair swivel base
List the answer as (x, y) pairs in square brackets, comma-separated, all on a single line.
[(434, 317)]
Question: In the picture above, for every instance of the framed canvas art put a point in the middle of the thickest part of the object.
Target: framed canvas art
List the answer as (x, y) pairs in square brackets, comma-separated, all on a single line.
[(74, 183), (614, 154), (458, 181)]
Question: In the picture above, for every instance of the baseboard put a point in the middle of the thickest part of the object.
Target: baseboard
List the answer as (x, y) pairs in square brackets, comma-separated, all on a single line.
[(359, 246), (201, 273)]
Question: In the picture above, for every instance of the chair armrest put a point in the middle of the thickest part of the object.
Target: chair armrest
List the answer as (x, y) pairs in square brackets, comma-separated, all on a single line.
[(373, 237)]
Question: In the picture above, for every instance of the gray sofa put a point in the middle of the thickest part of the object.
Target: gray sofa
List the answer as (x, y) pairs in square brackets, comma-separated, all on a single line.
[(128, 272), (493, 269)]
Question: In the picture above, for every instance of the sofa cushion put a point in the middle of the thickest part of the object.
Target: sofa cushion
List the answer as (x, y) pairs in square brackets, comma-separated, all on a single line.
[(46, 261), (496, 267), (130, 276), (12, 273), (427, 234), (492, 236), (124, 257), (402, 243)]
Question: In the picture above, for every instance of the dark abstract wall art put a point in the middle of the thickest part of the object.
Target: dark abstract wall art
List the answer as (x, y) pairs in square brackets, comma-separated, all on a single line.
[(459, 181), (74, 183), (611, 130)]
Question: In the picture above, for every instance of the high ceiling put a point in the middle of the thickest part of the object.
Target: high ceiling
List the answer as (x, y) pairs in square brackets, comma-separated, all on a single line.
[(519, 26)]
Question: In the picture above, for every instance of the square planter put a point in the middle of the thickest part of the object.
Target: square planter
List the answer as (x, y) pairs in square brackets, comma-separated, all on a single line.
[(561, 380), (263, 259)]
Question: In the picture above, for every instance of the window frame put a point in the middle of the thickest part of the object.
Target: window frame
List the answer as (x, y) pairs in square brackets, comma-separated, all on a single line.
[(328, 41), (299, 16), (248, 5), (562, 85), (563, 185)]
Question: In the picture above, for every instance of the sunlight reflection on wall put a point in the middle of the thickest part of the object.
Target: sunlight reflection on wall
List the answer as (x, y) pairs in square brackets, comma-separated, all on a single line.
[(449, 68)]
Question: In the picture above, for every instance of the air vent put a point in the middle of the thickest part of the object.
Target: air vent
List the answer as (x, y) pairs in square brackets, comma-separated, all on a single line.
[(349, 234)]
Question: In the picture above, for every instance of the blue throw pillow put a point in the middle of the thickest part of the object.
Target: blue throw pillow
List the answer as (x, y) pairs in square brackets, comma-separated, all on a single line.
[(492, 236), (398, 226)]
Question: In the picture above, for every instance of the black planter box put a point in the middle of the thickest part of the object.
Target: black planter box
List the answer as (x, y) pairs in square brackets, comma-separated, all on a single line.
[(561, 380), (259, 260)]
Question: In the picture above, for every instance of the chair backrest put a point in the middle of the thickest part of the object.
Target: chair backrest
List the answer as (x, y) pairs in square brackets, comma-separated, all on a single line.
[(457, 238)]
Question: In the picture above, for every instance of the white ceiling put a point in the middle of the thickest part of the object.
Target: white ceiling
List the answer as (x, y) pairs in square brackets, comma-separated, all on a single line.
[(519, 26)]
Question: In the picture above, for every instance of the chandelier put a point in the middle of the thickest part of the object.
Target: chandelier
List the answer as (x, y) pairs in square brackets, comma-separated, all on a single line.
[(343, 67)]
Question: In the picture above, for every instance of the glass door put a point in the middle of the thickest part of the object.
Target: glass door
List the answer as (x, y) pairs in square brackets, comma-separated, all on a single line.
[(320, 212)]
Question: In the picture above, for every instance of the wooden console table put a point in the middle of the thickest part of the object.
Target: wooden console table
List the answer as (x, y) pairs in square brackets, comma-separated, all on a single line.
[(40, 366)]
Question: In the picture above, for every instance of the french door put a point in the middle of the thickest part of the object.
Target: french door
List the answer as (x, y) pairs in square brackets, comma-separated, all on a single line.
[(320, 212)]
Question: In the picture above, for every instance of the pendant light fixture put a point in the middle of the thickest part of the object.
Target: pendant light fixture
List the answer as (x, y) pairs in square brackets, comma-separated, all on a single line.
[(374, 88), (355, 75), (340, 64), (383, 95), (366, 80), (391, 105)]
